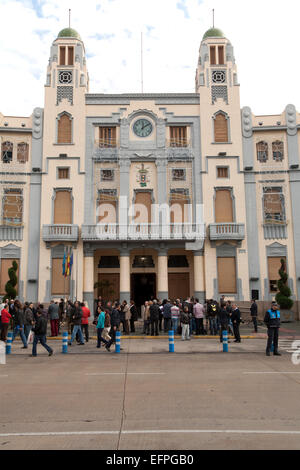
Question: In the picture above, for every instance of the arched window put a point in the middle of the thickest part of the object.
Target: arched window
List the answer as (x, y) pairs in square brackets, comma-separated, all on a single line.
[(7, 152), (278, 151), (221, 127), (64, 129), (22, 152), (262, 151)]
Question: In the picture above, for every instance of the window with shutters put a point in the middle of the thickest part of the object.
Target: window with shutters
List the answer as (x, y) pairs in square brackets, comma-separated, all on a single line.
[(63, 207), (64, 129), (70, 55), (227, 275), (221, 128), (213, 59), (107, 206), (274, 205), (4, 278), (278, 151), (12, 207), (179, 200), (274, 264), (7, 152), (178, 136), (262, 151), (223, 206), (107, 137), (222, 172), (63, 173), (22, 152), (60, 284), (143, 207), (62, 55)]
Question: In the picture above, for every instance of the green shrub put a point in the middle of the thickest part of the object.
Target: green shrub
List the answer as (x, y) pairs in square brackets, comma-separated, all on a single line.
[(13, 280), (283, 297)]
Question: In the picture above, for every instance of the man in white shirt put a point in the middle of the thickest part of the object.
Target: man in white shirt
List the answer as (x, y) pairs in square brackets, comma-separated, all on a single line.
[(198, 311)]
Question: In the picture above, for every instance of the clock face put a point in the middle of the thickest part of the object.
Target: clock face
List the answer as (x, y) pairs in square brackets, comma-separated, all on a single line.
[(142, 128)]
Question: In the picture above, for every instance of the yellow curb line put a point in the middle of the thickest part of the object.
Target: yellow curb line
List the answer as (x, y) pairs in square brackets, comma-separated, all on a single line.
[(59, 338)]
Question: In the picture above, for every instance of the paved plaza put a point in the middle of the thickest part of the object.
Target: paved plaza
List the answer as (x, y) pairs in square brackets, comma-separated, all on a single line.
[(147, 398)]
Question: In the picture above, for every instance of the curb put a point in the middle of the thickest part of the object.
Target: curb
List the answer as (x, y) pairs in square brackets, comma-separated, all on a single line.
[(60, 338)]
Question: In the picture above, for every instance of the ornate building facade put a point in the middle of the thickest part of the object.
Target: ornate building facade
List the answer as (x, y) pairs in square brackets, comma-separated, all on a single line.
[(163, 195)]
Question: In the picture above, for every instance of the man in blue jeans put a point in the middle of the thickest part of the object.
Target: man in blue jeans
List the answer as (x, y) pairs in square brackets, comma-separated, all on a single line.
[(40, 330), (76, 316), (18, 319)]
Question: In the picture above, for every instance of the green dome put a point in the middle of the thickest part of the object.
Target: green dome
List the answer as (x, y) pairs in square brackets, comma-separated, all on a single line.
[(68, 33), (213, 33)]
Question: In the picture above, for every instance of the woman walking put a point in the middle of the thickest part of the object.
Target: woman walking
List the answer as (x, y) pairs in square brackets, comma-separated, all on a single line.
[(100, 328)]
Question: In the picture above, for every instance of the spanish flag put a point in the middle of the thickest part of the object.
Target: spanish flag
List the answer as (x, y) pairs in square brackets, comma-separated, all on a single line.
[(68, 266)]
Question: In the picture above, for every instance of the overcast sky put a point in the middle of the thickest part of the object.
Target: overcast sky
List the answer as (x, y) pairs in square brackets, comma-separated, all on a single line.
[(264, 33)]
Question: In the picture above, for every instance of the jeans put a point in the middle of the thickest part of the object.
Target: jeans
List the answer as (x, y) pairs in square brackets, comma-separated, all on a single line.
[(199, 326), (77, 328), (236, 331), (185, 331), (146, 327), (18, 330), (42, 340), (254, 319), (175, 325), (100, 338), (85, 329), (154, 325), (273, 334), (213, 326), (192, 325), (167, 324), (27, 329)]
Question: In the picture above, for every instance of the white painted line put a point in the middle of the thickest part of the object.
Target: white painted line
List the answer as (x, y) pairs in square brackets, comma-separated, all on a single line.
[(283, 372), (154, 431), (129, 373), (3, 375)]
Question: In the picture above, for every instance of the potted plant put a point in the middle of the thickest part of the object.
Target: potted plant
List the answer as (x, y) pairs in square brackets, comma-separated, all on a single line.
[(283, 298)]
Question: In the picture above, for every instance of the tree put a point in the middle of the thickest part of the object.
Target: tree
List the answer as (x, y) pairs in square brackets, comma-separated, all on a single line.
[(13, 281), (284, 294)]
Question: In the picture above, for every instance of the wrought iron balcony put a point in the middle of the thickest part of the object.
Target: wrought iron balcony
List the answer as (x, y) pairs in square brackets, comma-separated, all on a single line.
[(227, 231), (187, 232), (55, 233), (11, 233)]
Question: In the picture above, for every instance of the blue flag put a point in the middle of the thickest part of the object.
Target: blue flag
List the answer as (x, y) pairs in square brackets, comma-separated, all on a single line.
[(64, 265), (71, 263)]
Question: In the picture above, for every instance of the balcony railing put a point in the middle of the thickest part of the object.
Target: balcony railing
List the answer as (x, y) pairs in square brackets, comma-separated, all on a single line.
[(273, 231), (54, 233), (10, 233), (142, 232), (227, 231)]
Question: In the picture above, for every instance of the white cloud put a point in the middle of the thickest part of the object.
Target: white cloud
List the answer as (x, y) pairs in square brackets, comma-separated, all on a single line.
[(263, 33)]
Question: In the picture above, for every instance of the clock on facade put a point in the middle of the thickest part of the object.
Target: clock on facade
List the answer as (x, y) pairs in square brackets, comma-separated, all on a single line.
[(142, 127)]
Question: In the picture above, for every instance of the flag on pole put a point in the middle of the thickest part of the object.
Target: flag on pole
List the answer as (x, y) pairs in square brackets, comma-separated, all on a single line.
[(71, 263), (68, 266), (64, 265)]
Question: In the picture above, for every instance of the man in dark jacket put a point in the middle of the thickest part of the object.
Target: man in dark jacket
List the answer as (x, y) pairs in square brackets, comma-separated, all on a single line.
[(223, 317), (18, 322), (154, 317), (253, 310), (167, 315), (115, 324), (236, 320), (272, 320), (134, 316), (40, 330), (76, 316), (212, 312)]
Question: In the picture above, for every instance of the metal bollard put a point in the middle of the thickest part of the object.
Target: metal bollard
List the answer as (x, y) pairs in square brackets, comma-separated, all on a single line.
[(2, 353), (171, 342), (118, 342), (9, 343), (65, 341), (225, 340)]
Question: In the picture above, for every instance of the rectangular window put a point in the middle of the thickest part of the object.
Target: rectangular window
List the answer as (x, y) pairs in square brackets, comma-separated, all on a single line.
[(107, 137), (274, 264), (107, 175), (63, 208), (62, 55), (4, 278), (70, 55), (12, 207), (223, 206), (274, 207), (60, 285), (222, 172), (63, 173), (178, 174), (221, 55), (178, 136), (213, 55), (227, 275)]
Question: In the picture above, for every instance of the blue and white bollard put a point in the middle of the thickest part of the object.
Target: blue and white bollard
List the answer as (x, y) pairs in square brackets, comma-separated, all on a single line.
[(65, 341), (118, 342), (2, 353), (225, 340), (171, 342), (9, 343)]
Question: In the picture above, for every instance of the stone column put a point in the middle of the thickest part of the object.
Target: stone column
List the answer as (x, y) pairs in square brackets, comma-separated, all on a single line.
[(199, 279), (162, 271), (125, 276), (88, 277)]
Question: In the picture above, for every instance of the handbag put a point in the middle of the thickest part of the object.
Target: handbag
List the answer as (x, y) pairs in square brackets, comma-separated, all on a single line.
[(30, 337)]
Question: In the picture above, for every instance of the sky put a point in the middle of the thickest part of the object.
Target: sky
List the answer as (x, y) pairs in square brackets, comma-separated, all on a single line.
[(264, 34)]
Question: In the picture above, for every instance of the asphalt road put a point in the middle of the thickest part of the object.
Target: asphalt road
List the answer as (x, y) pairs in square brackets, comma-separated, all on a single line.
[(146, 398)]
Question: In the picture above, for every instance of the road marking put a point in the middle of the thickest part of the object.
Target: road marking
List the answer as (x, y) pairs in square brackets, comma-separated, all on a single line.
[(283, 372), (128, 373), (154, 431)]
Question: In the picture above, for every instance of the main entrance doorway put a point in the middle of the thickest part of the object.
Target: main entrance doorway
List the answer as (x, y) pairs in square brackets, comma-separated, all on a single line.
[(143, 287)]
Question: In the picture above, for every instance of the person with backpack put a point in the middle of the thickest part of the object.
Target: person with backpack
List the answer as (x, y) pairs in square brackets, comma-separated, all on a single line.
[(212, 312)]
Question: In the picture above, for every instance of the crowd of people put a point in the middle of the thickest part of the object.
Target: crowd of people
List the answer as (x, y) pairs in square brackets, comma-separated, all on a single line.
[(184, 317)]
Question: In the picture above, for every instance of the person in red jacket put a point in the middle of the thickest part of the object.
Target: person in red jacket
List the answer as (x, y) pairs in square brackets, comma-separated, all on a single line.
[(85, 320), (5, 320)]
